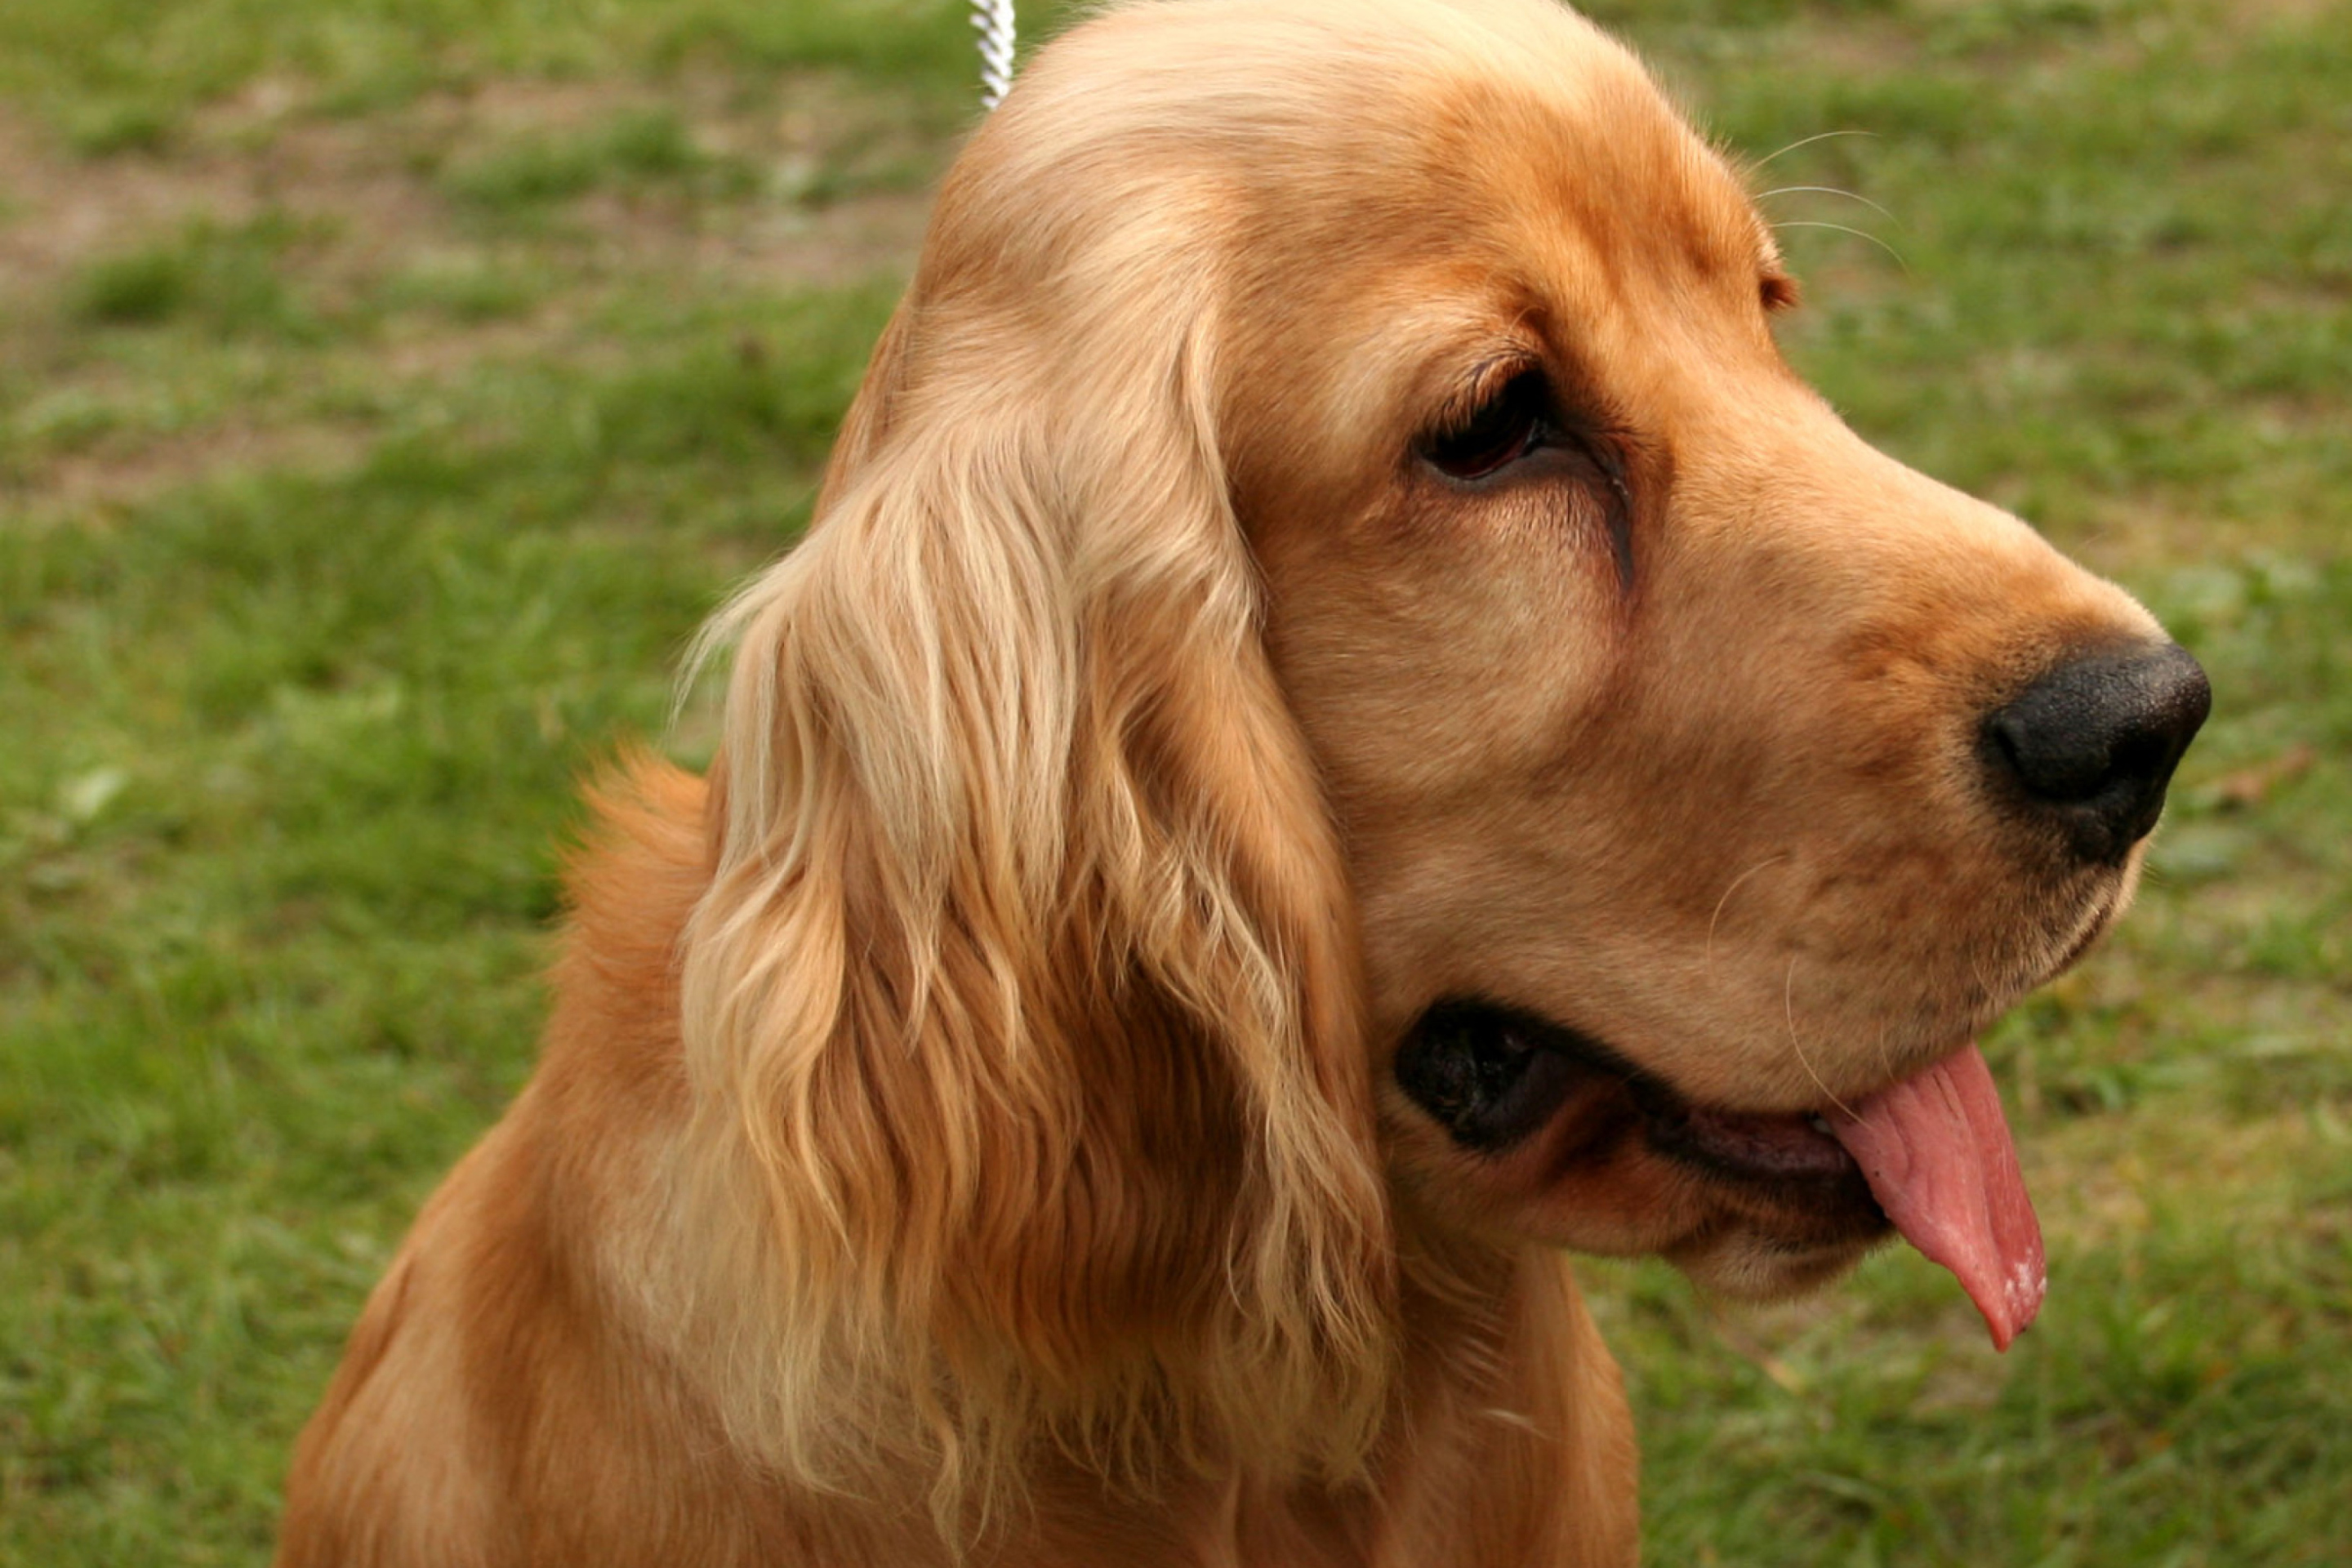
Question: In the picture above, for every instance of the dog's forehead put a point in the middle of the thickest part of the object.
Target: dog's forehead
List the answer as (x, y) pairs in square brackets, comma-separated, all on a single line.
[(1353, 189), (1576, 196), (1356, 108), (1448, 191), (1580, 216)]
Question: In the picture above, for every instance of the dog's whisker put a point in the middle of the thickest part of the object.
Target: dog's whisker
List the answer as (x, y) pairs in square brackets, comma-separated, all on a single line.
[(1830, 191), (1708, 962), (1808, 140), (1789, 1011), (1845, 228)]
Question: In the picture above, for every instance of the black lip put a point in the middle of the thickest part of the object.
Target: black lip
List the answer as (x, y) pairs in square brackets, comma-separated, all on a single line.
[(1493, 1074), (1777, 1149)]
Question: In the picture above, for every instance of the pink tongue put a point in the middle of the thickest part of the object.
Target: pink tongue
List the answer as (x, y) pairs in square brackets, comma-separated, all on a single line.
[(1936, 1153)]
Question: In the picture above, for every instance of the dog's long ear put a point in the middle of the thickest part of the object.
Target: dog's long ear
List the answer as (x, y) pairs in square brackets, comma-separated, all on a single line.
[(1025, 988)]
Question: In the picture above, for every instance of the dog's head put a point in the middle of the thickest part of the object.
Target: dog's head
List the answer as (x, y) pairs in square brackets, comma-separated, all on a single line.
[(1340, 682)]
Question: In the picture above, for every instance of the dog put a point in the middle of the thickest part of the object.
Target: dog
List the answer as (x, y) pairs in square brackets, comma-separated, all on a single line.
[(1345, 728)]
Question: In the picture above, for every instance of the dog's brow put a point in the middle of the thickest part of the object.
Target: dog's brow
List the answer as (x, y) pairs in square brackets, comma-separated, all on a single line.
[(1778, 290)]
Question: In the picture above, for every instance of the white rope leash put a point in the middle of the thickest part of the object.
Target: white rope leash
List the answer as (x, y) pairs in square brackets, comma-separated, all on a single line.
[(992, 19)]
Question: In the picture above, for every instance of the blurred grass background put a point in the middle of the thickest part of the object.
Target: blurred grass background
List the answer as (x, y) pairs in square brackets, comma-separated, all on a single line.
[(387, 388)]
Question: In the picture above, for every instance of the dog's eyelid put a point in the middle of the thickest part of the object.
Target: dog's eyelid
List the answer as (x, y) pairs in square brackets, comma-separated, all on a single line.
[(1488, 380), (1779, 291)]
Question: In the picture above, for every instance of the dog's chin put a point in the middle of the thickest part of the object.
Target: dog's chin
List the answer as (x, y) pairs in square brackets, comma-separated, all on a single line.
[(1750, 1264)]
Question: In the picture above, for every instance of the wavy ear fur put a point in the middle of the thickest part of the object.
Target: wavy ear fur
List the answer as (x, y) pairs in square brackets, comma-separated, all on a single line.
[(1020, 1013)]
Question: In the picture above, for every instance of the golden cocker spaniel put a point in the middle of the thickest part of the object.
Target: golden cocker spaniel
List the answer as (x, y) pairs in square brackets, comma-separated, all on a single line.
[(1345, 725)]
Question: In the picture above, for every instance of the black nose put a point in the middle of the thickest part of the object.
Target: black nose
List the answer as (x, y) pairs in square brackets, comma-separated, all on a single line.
[(2093, 744)]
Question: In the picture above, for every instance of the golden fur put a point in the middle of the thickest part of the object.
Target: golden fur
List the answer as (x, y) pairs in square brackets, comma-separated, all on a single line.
[(965, 1129)]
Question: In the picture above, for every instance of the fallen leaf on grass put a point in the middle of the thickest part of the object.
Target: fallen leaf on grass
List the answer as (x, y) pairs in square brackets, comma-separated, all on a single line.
[(2252, 785)]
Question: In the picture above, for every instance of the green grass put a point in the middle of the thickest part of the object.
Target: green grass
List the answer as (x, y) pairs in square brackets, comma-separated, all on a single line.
[(354, 505), (228, 278), (123, 75), (639, 148)]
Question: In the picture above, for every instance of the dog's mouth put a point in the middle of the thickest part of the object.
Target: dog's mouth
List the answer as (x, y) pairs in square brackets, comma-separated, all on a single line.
[(1494, 1075), (1931, 1154)]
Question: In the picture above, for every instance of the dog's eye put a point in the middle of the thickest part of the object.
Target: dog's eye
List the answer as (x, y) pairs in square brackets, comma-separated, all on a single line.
[(1498, 433)]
